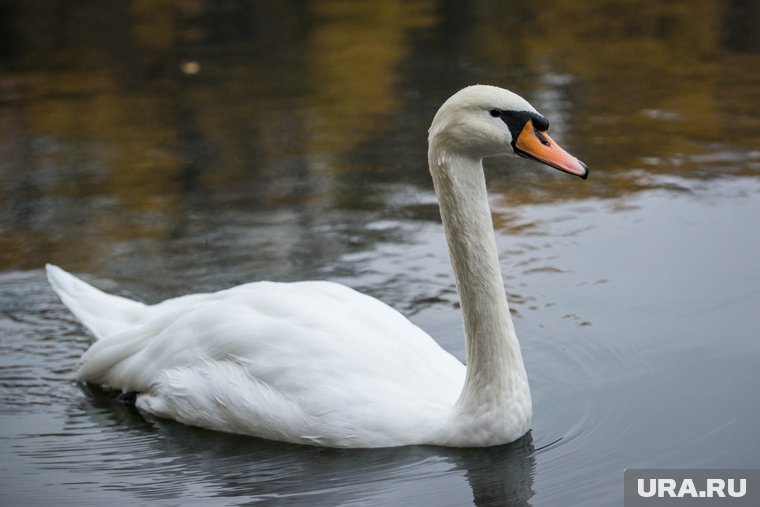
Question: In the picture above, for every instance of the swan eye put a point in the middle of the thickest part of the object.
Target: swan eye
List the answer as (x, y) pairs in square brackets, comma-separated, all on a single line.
[(495, 113), (541, 137)]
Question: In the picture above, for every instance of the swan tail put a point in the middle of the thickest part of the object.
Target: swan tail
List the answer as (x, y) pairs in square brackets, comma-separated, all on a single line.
[(103, 314)]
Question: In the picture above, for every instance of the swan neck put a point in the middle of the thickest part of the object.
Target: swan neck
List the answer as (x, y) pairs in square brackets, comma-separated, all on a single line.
[(495, 370)]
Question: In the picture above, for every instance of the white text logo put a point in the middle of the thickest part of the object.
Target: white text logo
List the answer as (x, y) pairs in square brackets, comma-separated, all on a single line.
[(687, 489)]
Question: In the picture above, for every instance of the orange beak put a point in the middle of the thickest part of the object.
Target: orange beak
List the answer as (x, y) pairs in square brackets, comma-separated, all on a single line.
[(537, 145)]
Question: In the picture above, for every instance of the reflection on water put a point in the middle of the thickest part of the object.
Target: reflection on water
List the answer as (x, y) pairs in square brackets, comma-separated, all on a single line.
[(177, 457), (167, 147)]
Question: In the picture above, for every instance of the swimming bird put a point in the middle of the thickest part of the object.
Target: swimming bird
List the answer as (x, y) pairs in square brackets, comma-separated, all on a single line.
[(319, 363)]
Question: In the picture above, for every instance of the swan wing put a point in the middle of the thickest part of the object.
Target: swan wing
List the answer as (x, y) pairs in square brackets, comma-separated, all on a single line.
[(309, 362)]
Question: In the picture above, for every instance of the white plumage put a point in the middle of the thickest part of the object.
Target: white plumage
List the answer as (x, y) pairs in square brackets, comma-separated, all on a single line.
[(319, 363)]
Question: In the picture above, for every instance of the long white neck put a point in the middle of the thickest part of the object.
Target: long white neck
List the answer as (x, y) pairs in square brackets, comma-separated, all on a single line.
[(496, 380)]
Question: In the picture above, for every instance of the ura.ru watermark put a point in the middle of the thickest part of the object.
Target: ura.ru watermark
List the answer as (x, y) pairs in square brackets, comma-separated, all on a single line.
[(682, 487), (718, 488)]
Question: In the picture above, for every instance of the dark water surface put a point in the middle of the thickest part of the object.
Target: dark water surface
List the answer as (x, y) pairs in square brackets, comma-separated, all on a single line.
[(162, 148)]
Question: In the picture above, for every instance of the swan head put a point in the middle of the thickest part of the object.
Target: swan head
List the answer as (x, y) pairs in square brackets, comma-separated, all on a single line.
[(485, 121)]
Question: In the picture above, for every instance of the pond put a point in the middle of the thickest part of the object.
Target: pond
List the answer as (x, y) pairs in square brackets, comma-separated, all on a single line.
[(164, 148)]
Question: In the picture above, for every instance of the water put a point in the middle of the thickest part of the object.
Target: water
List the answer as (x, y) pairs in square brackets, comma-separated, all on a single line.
[(165, 148)]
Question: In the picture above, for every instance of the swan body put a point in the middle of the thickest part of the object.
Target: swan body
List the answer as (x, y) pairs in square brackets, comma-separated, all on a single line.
[(322, 364)]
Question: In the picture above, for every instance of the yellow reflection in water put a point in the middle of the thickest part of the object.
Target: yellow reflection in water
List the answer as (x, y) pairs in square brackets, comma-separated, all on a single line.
[(659, 67), (138, 104), (353, 56)]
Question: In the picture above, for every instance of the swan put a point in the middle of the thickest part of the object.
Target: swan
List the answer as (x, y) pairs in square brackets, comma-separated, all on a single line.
[(319, 363)]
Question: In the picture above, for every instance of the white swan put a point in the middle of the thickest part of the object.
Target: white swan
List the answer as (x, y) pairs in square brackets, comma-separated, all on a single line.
[(319, 363)]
